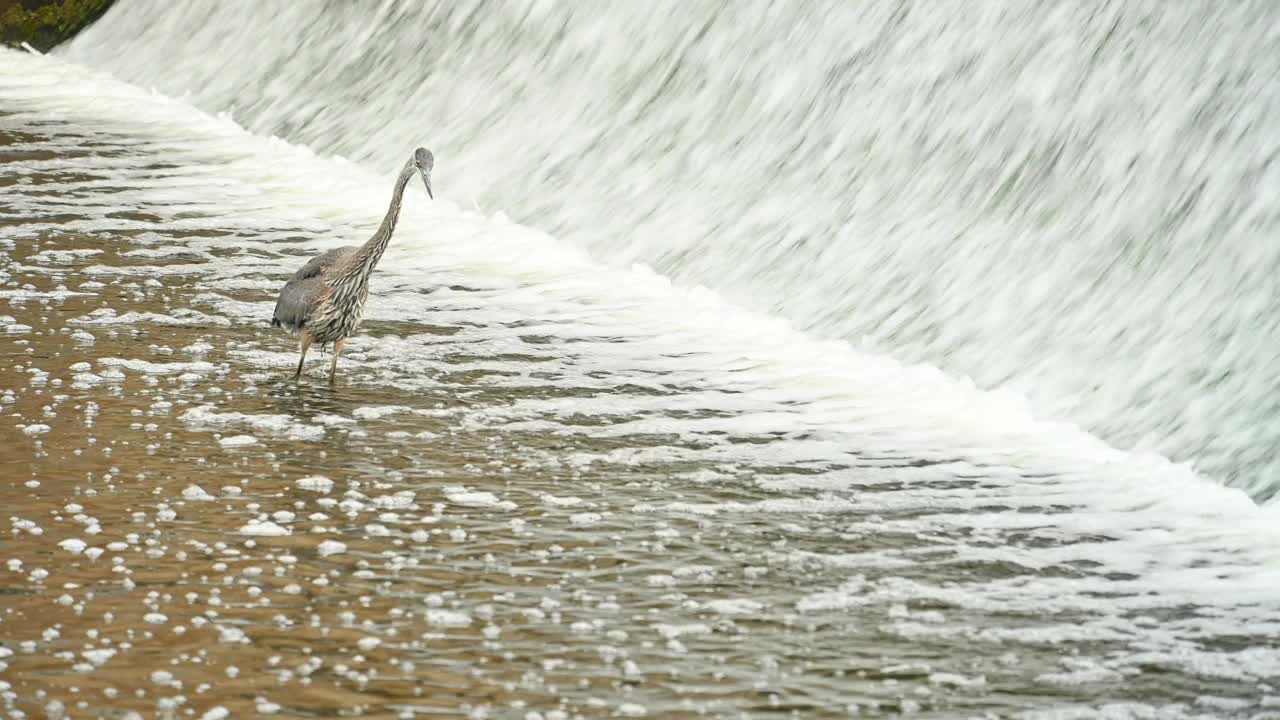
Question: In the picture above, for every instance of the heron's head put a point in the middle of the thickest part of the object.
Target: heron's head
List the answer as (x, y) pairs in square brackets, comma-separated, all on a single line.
[(424, 160)]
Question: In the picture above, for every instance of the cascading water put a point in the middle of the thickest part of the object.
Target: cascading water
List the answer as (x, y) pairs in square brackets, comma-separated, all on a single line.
[(1075, 202), (552, 482)]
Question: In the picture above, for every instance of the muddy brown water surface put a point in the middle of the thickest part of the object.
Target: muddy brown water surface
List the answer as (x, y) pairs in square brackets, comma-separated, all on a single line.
[(497, 514)]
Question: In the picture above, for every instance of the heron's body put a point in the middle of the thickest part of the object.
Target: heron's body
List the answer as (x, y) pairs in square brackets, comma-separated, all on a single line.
[(324, 301)]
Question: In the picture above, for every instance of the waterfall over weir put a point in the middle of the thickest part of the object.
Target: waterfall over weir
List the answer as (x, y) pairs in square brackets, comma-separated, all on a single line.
[(1073, 202)]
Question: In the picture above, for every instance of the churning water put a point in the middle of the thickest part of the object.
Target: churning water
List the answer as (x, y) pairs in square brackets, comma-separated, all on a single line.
[(1075, 202), (661, 410)]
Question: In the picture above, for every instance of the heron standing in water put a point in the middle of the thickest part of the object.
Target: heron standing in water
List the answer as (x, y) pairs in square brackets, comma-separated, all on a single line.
[(324, 301)]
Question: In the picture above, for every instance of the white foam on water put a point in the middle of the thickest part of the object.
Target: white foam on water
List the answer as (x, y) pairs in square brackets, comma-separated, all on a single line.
[(374, 413), (331, 547), (177, 317), (195, 492), (476, 498), (63, 257), (152, 368), (735, 606), (207, 417), (441, 617), (265, 528), (23, 294), (99, 656), (315, 483)]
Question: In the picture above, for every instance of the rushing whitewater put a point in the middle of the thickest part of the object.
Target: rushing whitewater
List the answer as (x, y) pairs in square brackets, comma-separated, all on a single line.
[(547, 487), (1076, 203)]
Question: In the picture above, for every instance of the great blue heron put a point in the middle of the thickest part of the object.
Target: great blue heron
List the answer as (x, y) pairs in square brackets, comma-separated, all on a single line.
[(323, 302)]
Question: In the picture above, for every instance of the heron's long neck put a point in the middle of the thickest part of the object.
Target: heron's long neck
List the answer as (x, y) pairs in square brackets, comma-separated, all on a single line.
[(364, 260)]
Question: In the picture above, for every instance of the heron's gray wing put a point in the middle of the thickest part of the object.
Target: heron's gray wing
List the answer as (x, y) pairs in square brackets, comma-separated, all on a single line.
[(299, 295)]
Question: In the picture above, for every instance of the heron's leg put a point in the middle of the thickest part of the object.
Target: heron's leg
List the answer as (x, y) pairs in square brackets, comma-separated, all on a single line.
[(337, 348), (306, 343)]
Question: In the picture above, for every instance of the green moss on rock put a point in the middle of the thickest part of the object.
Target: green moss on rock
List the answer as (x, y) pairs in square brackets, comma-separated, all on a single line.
[(45, 23)]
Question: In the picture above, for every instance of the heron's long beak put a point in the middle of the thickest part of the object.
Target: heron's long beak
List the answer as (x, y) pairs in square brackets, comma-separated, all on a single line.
[(426, 180)]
